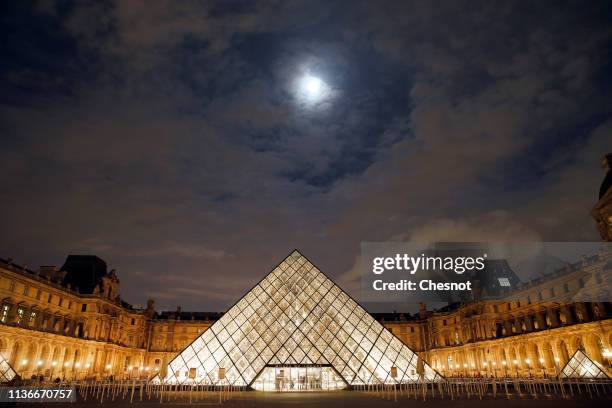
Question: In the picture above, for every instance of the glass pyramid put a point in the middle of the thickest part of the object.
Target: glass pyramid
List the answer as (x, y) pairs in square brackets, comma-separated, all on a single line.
[(581, 366), (297, 317), (6, 371)]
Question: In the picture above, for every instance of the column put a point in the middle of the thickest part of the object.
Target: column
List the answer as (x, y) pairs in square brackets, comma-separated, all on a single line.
[(518, 326), (552, 317), (569, 318), (541, 319), (529, 323)]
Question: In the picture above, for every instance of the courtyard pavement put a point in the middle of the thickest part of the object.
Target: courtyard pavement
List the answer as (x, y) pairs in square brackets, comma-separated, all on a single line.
[(341, 399)]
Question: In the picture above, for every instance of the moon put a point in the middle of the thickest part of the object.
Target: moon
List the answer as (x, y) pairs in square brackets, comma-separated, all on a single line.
[(312, 87)]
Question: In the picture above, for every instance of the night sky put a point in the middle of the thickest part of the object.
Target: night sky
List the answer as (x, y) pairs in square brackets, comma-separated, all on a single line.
[(182, 142)]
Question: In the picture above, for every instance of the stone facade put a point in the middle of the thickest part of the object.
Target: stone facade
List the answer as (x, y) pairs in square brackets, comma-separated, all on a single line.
[(51, 330)]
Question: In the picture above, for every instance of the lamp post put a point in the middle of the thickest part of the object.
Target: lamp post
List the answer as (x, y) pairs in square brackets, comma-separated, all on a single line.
[(53, 365), (515, 367), (542, 365), (486, 369), (528, 362), (495, 369), (39, 363), (505, 372)]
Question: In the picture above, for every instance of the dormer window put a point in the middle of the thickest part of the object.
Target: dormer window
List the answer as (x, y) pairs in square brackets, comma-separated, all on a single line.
[(20, 312), (4, 313)]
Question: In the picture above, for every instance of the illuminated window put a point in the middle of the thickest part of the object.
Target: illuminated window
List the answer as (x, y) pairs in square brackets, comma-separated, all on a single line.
[(32, 317), (20, 312), (25, 290), (4, 313), (11, 286), (504, 282)]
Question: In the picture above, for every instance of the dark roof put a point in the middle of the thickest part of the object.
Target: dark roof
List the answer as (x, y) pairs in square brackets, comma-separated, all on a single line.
[(84, 272), (395, 317), (489, 278), (165, 315), (606, 184)]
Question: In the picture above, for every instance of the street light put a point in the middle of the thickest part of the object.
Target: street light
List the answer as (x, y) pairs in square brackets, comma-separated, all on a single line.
[(39, 363), (527, 361)]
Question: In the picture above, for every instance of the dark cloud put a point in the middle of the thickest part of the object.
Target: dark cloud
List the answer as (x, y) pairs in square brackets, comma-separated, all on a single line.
[(169, 138)]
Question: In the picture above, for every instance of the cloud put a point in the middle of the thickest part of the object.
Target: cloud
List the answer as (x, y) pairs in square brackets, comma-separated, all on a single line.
[(493, 227), (165, 136)]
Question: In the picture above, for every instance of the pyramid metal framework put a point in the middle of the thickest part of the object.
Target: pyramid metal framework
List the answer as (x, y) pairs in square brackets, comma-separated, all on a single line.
[(296, 316), (581, 366), (6, 371)]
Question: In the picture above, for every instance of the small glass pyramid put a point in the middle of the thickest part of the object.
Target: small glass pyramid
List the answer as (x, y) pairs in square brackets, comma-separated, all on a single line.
[(6, 371), (581, 366), (296, 318)]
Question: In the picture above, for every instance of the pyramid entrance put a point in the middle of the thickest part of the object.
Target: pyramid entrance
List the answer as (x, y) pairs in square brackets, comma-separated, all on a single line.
[(299, 378), (296, 330)]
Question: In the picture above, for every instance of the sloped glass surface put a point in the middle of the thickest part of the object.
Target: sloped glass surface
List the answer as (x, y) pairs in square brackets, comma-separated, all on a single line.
[(296, 316), (6, 371), (581, 366)]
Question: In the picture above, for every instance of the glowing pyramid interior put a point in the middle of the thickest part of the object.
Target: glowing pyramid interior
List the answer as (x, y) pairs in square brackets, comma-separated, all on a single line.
[(581, 366), (296, 329), (6, 371)]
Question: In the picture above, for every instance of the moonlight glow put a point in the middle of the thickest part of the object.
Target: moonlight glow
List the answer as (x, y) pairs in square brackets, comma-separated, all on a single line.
[(312, 85), (312, 89)]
